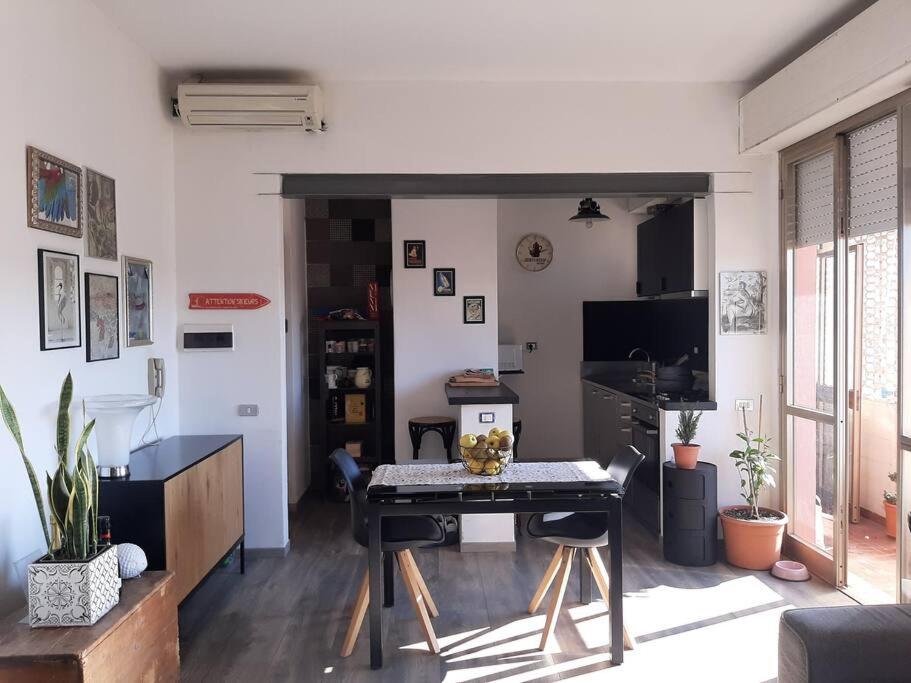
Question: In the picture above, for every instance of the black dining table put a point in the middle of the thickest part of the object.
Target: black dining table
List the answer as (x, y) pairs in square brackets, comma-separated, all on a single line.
[(493, 497)]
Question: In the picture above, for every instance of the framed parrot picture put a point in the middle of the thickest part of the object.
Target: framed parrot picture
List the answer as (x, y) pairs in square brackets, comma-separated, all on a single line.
[(54, 194)]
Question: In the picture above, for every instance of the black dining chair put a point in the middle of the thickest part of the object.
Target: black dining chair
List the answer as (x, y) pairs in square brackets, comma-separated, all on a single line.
[(400, 535), (582, 532)]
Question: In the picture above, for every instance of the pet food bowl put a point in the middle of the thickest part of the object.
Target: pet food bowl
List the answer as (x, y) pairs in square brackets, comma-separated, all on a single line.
[(788, 570)]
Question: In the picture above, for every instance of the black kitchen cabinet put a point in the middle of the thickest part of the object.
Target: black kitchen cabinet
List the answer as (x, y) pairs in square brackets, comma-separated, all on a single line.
[(613, 420), (647, 278), (645, 491), (591, 431), (664, 252), (606, 423)]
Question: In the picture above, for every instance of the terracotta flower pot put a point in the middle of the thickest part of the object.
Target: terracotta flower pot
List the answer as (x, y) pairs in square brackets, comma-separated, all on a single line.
[(890, 518), (752, 543), (686, 455)]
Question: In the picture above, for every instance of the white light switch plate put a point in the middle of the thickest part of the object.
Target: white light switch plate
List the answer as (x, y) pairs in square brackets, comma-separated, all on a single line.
[(248, 410), (743, 404)]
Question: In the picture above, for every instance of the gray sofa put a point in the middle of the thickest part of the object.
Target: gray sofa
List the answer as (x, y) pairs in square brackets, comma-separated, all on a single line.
[(856, 643)]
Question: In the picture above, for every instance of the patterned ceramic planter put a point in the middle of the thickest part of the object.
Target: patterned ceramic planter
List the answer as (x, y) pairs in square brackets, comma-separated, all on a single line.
[(73, 593)]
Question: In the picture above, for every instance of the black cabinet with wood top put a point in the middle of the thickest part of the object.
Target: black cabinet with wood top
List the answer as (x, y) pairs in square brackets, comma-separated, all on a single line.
[(691, 514), (182, 503)]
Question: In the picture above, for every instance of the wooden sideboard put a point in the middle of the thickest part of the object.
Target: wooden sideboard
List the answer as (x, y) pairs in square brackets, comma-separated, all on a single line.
[(183, 504), (135, 641)]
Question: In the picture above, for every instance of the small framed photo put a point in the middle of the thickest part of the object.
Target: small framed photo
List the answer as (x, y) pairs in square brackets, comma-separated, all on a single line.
[(444, 282), (415, 254), (58, 300), (54, 193), (137, 301), (473, 308), (102, 318), (100, 216)]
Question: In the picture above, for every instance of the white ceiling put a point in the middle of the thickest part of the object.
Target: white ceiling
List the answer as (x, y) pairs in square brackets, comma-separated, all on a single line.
[(483, 40)]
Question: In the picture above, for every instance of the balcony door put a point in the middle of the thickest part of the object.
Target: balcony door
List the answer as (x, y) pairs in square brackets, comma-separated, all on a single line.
[(813, 444), (846, 351)]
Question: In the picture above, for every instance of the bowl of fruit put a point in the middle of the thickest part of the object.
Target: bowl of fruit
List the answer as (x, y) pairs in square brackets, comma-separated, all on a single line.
[(487, 454)]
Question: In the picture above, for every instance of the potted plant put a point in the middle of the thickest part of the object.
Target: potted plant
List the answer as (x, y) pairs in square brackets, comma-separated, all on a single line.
[(77, 582), (753, 534), (889, 500), (686, 453)]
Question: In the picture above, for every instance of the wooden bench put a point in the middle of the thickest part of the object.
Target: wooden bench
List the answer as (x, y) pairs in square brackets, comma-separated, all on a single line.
[(135, 641)]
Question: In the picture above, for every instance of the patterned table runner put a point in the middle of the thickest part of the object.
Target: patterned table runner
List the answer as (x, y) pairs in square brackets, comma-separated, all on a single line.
[(515, 473)]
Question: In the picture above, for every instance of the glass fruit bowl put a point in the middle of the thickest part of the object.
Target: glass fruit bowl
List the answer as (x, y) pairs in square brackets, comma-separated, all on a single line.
[(487, 462)]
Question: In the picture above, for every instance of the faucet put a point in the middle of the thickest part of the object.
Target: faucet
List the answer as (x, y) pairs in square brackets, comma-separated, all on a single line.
[(648, 358)]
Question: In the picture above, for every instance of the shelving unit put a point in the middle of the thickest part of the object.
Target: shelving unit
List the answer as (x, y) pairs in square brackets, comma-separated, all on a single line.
[(335, 434)]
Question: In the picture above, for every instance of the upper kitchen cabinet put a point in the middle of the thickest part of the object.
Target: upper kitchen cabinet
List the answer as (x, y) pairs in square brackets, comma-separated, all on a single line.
[(672, 252)]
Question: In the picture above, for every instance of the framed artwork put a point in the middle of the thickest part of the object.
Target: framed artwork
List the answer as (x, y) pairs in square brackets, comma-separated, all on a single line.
[(473, 310), (100, 216), (54, 193), (743, 301), (415, 254), (137, 301), (58, 300), (102, 318), (444, 282)]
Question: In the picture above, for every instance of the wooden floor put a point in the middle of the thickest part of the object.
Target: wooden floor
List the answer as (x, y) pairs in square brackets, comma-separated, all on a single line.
[(285, 619)]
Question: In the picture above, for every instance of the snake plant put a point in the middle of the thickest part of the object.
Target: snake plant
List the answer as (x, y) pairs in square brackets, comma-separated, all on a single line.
[(72, 493)]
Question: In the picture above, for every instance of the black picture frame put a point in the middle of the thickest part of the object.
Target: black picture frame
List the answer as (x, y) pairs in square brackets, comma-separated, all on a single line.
[(419, 260), (70, 309), (473, 319), (440, 277), (109, 324)]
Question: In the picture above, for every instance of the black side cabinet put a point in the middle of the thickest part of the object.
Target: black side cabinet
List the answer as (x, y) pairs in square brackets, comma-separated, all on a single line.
[(691, 514)]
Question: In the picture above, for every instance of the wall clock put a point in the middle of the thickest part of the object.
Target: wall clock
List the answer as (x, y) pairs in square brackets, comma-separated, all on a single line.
[(534, 252)]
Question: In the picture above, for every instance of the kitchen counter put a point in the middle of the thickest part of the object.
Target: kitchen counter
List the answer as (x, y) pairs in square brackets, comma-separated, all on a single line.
[(462, 396), (630, 390)]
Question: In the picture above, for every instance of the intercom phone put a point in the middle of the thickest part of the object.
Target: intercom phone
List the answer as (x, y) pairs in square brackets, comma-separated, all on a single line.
[(156, 377)]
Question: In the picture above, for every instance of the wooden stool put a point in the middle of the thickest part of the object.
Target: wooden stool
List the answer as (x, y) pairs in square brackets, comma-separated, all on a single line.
[(444, 426), (516, 434)]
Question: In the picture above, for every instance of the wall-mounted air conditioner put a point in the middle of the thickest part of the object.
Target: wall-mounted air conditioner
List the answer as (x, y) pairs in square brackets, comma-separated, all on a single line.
[(251, 105)]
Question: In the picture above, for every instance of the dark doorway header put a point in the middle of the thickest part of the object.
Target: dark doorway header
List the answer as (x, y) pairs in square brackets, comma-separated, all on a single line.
[(494, 185)]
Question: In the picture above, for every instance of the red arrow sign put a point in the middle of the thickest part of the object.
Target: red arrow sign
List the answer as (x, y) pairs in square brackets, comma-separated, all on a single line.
[(223, 302)]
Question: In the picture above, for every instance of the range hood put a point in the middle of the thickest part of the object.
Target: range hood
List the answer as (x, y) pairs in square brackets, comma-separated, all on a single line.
[(672, 253)]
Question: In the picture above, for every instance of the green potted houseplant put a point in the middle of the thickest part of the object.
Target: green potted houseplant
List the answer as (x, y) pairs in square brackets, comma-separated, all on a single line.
[(686, 453), (889, 501), (78, 581), (753, 534)]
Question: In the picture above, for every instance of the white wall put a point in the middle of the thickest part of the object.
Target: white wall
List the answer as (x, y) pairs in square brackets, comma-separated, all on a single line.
[(435, 128), (589, 265), (74, 86), (295, 254), (431, 341), (745, 366), (235, 243)]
